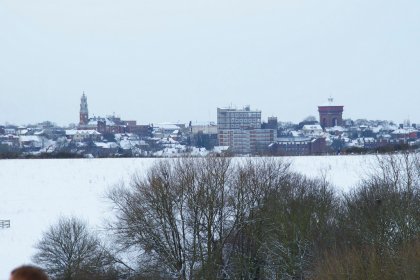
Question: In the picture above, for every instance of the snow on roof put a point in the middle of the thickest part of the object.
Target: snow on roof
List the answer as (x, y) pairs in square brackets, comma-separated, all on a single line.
[(23, 131), (292, 139), (171, 151), (199, 151), (196, 123), (312, 127), (295, 133), (377, 129), (336, 128), (369, 139), (94, 121), (128, 144), (406, 130), (391, 127), (72, 132), (108, 145), (9, 136), (166, 126), (30, 138), (168, 140), (219, 149)]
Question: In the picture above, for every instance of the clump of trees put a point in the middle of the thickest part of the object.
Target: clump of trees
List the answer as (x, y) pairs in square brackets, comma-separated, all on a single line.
[(379, 225), (212, 219), (219, 218)]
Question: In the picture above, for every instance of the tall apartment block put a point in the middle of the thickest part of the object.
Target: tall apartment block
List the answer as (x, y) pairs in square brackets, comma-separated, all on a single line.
[(228, 118), (240, 129)]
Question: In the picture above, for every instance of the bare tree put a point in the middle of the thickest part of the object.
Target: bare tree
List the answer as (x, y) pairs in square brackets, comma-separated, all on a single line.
[(385, 209), (286, 227), (177, 217), (69, 251), (310, 119)]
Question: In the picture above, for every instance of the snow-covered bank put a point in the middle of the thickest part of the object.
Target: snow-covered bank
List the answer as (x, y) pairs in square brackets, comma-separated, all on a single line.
[(34, 193)]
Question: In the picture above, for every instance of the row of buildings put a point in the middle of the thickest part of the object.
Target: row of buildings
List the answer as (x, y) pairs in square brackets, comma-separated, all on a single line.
[(242, 131), (237, 131)]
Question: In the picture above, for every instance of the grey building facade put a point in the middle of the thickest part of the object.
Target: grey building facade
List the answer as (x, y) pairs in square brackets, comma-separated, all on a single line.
[(228, 118), (240, 129)]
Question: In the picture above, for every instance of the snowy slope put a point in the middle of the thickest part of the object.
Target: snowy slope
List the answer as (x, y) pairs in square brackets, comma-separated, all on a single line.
[(34, 193)]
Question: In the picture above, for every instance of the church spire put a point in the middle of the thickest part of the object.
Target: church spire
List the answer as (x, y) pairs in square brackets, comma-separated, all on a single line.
[(84, 112)]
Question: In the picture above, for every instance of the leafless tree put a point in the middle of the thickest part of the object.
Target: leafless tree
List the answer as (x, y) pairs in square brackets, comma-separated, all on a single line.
[(68, 250), (175, 216), (291, 221), (385, 209)]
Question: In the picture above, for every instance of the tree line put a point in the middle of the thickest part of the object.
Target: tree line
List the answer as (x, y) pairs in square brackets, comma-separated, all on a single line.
[(214, 218)]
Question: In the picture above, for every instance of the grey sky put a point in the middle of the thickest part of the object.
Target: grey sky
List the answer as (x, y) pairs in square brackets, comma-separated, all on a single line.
[(155, 61)]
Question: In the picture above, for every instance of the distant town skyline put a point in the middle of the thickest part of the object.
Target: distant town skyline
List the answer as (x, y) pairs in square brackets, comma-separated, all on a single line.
[(177, 61)]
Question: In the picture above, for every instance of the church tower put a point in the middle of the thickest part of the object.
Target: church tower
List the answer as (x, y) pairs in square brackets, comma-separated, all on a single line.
[(84, 113)]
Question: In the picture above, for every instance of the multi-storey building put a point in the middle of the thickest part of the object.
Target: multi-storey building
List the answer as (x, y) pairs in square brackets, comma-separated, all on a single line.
[(245, 141), (241, 130), (298, 146), (228, 118), (272, 123)]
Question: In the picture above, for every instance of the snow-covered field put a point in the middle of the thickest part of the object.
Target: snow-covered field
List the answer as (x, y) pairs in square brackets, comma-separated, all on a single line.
[(35, 193)]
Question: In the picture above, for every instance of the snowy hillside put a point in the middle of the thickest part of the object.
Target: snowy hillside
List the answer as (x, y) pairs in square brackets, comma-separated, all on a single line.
[(34, 193)]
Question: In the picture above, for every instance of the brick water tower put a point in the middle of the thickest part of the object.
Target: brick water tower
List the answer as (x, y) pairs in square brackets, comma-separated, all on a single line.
[(330, 115)]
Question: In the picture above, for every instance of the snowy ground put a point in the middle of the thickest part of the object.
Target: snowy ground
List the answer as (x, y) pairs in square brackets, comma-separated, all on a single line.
[(34, 193)]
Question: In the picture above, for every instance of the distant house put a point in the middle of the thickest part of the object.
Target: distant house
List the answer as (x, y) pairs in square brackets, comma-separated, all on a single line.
[(10, 131), (30, 142), (142, 131), (336, 130), (102, 149), (166, 130), (10, 140), (83, 135), (314, 130), (22, 130), (407, 133)]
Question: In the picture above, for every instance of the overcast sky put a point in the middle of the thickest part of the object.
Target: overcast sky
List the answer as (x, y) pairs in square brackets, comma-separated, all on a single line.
[(178, 60)]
